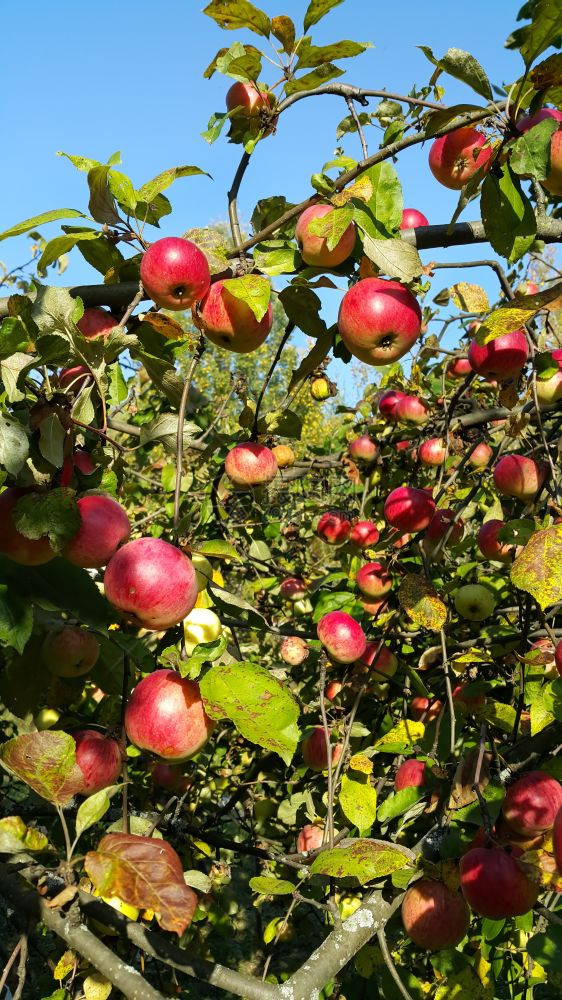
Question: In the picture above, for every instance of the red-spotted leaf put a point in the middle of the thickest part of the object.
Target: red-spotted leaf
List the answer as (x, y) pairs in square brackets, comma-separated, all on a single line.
[(363, 859), (46, 762), (145, 873), (538, 568), (421, 602)]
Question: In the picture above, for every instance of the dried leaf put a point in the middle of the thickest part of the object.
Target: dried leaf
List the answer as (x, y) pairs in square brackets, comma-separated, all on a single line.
[(421, 602), (469, 298), (168, 327)]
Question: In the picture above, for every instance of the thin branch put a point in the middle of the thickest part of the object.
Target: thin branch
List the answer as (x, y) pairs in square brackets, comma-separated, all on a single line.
[(322, 685), (288, 331), (448, 689), (357, 93), (358, 126), (381, 938), (181, 419), (232, 197)]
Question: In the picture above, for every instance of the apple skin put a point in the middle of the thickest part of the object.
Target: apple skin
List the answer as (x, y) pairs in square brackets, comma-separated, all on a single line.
[(424, 709), (494, 884), (553, 181), (169, 777), (310, 838), (165, 715), (434, 918), (474, 602), (557, 840), (247, 99), (314, 249), (333, 528), (480, 456), (377, 662), (96, 323), (409, 509), (412, 410), (71, 652), (284, 456), (502, 358), (294, 650), (440, 524), (373, 579), (410, 774), (558, 657), (293, 588), (175, 273), (388, 402), (363, 449), (432, 452), (490, 547), (99, 760), (250, 464), (75, 378), (467, 703), (230, 323), (105, 526), (519, 476), (412, 219), (459, 368), (549, 390), (18, 548), (379, 320), (532, 803), (455, 157), (151, 582), (314, 750), (333, 689), (83, 461), (364, 534), (341, 636)]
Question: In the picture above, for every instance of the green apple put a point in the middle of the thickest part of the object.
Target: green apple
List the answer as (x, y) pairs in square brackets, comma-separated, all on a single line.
[(203, 570), (474, 602), (46, 718), (201, 625)]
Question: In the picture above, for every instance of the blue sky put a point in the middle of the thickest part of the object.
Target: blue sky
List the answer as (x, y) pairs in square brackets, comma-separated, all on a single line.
[(92, 79)]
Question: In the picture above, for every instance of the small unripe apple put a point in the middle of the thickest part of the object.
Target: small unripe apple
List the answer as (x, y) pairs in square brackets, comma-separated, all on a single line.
[(379, 320), (373, 579), (246, 100), (151, 582), (341, 636), (96, 323), (46, 718), (199, 626), (314, 750), (441, 523), (520, 476), (455, 157), (409, 509), (333, 528), (474, 602), (293, 650), (459, 368), (75, 378), (293, 588), (480, 456), (412, 410), (489, 544), (532, 803), (104, 527), (502, 358), (363, 449), (495, 885), (99, 760), (320, 388), (412, 219), (432, 452), (423, 709), (364, 534), (228, 321), (71, 652), (175, 273), (434, 917), (410, 774), (203, 570), (284, 456), (18, 548), (250, 464), (388, 402), (314, 249), (310, 838), (165, 714)]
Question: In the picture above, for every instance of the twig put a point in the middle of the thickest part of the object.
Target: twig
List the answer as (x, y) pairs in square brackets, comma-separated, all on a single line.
[(288, 331), (131, 308), (358, 125), (448, 689), (233, 195), (124, 768), (22, 968), (181, 418), (10, 963), (381, 938), (330, 817)]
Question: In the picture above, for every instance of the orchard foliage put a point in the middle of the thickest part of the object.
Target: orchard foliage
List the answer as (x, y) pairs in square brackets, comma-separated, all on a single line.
[(281, 676)]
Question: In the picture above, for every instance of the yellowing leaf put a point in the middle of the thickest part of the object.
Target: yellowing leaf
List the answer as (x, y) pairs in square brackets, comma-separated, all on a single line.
[(421, 602), (65, 965), (46, 761), (359, 762), (165, 325), (96, 987), (15, 836), (538, 568), (364, 859), (358, 800), (463, 985), (362, 189), (401, 738), (469, 298), (512, 317)]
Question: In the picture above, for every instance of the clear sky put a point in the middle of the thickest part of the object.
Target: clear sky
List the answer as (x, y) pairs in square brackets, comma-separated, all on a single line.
[(91, 78)]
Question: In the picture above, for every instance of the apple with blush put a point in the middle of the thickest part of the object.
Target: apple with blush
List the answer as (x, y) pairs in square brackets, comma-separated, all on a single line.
[(228, 321), (341, 636), (388, 402), (532, 803), (293, 650), (480, 455), (99, 759), (246, 100), (75, 378), (434, 916), (445, 522), (520, 477), (314, 247), (175, 273), (373, 579), (293, 588), (96, 323), (379, 320), (104, 527), (495, 885), (455, 158), (310, 838), (432, 452), (424, 710), (412, 410), (363, 449), (250, 464), (314, 750), (151, 582), (410, 774), (490, 545), (70, 652), (333, 528), (409, 509), (364, 534), (501, 358), (166, 716), (459, 368), (412, 219), (18, 548)]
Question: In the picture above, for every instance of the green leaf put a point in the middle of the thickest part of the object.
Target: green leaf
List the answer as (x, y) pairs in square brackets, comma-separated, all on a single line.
[(385, 202), (508, 216), (62, 244), (13, 336), (538, 568), (252, 289), (83, 163), (14, 445), (217, 548), (530, 155), (283, 29), (493, 795), (358, 801), (546, 948), (16, 619), (262, 710), (332, 226), (83, 408), (54, 310), (46, 762), (312, 80), (102, 205), (302, 307), (163, 428), (395, 258), (236, 606), (11, 370), (438, 119), (544, 30), (269, 885), (54, 514), (268, 210), (362, 859), (462, 66), (162, 181), (94, 808), (213, 244), (317, 9), (398, 803), (500, 715), (276, 257), (51, 440), (123, 191), (241, 62), (101, 254), (286, 423), (117, 384), (234, 14), (316, 55), (41, 220), (59, 584)]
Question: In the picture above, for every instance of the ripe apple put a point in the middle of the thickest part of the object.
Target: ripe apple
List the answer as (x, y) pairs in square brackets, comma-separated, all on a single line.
[(310, 838), (70, 652), (480, 455), (412, 410), (333, 689), (502, 358), (373, 579), (409, 509), (284, 456), (364, 534), (333, 528), (83, 461), (532, 802), (410, 774), (293, 588), (96, 323), (466, 702), (105, 526), (377, 662), (250, 464), (293, 650), (495, 885), (341, 636), (151, 582), (490, 546), (440, 524), (26, 551), (169, 776), (519, 476), (432, 452), (459, 368), (363, 449), (423, 709), (557, 840), (388, 402), (199, 626), (314, 249), (99, 759), (379, 320), (165, 715), (455, 157), (228, 321), (412, 219), (314, 750), (175, 273), (246, 100), (553, 180), (75, 378), (528, 287), (474, 602), (434, 917)]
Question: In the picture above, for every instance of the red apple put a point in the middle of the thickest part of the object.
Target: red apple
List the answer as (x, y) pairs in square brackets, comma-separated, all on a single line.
[(459, 368), (373, 579), (553, 180), (293, 650), (105, 526), (440, 524), (151, 582), (489, 544), (314, 249), (528, 287), (480, 455), (455, 157), (26, 551), (70, 652), (502, 358), (409, 509), (364, 534), (412, 219), (75, 378), (532, 802), (341, 636), (229, 322), (520, 477), (388, 402), (246, 100), (379, 320), (495, 885), (466, 702), (169, 776), (314, 750), (363, 449), (310, 838), (412, 410), (423, 709), (333, 528), (378, 662), (96, 323), (165, 715), (333, 689), (83, 461), (175, 273), (557, 840), (410, 774), (293, 588), (250, 464), (99, 760), (434, 917), (432, 451)]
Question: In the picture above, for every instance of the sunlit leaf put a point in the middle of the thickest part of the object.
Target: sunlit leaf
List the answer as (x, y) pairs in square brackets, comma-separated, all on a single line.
[(421, 602), (363, 859), (538, 568)]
